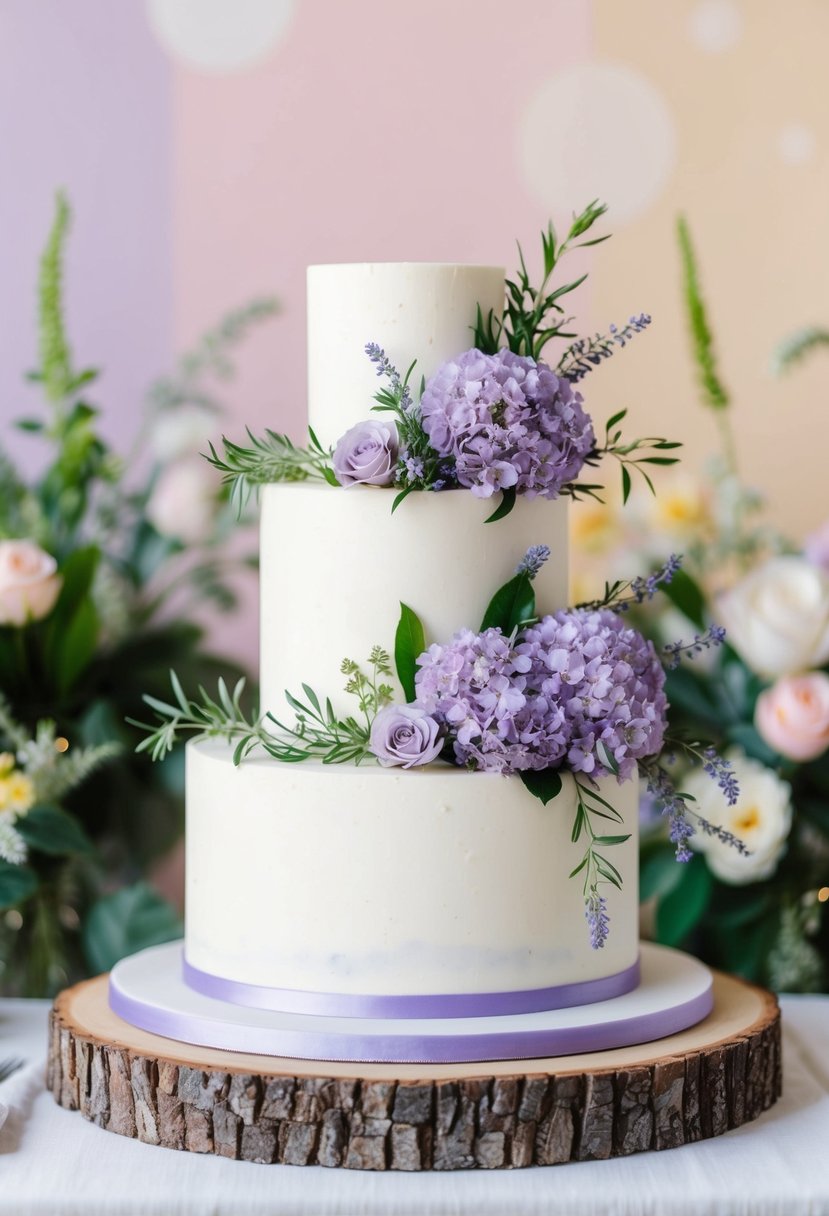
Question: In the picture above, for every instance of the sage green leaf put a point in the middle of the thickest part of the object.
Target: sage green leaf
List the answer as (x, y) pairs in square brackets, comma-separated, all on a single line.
[(511, 605), (544, 784), (50, 829), (16, 884), (409, 643), (126, 921)]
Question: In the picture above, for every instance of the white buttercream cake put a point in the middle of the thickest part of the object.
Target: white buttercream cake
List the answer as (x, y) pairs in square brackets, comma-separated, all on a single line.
[(365, 880)]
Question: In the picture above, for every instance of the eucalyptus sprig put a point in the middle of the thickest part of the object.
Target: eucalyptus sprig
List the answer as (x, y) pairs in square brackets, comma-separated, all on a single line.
[(632, 457), (269, 458), (534, 315)]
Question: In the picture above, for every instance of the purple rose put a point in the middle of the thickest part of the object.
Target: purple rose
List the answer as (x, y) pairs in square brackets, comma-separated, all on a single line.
[(367, 454), (405, 735)]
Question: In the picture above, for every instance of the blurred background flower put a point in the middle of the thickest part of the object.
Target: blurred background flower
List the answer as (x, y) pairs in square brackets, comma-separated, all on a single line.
[(106, 564)]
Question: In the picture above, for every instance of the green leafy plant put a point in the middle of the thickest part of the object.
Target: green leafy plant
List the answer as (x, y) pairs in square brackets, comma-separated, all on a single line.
[(72, 672)]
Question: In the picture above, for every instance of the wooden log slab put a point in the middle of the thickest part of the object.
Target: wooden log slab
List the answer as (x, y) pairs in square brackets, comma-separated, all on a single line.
[(502, 1115)]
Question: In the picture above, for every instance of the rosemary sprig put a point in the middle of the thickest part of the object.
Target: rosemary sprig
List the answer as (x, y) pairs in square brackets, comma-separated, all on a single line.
[(271, 457), (318, 733), (534, 315)]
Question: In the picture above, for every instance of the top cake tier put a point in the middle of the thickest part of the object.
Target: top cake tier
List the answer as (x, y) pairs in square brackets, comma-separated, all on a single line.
[(414, 310)]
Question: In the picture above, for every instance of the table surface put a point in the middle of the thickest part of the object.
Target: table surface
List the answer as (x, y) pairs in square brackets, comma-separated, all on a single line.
[(54, 1163)]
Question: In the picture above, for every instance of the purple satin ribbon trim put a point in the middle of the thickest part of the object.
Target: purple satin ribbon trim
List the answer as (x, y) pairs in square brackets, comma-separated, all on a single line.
[(411, 1048), (441, 1005)]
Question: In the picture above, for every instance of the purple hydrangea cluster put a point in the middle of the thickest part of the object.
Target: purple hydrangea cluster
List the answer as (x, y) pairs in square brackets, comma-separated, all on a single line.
[(507, 421), (579, 687), (479, 687), (610, 683)]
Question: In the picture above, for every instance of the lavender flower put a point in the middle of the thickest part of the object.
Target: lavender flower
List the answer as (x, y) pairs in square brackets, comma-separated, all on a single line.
[(366, 454), (533, 560), (385, 368), (406, 736), (507, 422), (598, 921), (675, 809), (673, 651), (608, 682), (722, 771)]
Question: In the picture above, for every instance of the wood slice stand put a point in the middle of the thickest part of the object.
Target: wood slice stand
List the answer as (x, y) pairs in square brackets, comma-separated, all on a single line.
[(692, 1086)]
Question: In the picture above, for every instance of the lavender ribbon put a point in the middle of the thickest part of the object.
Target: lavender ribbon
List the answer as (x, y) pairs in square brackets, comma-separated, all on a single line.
[(438, 1005), (361, 1046)]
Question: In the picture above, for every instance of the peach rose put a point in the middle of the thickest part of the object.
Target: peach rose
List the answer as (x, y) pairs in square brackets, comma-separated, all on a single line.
[(793, 716), (29, 584)]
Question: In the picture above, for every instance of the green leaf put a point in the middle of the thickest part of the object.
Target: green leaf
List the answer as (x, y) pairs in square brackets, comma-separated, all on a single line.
[(77, 645), (625, 483), (126, 921), (400, 497), (409, 643), (659, 873), (511, 605), (506, 505), (544, 784), (686, 595), (684, 906), (78, 573), (50, 829), (16, 884)]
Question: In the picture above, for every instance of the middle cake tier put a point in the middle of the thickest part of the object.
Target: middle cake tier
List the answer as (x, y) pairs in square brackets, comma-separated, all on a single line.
[(435, 892), (336, 564)]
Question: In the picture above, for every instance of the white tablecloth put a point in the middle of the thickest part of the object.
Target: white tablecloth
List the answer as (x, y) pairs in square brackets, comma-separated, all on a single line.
[(54, 1163)]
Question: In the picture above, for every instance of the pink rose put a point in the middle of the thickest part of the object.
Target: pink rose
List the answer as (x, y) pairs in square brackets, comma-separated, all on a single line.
[(29, 584), (793, 716)]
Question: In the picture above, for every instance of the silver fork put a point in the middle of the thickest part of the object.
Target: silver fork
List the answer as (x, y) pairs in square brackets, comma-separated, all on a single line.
[(8, 1067)]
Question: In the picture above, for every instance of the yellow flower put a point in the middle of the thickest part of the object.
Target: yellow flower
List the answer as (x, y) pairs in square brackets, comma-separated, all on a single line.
[(6, 763), (593, 527), (20, 793), (680, 508)]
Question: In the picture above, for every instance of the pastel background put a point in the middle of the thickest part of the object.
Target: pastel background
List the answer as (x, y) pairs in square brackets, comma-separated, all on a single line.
[(213, 148)]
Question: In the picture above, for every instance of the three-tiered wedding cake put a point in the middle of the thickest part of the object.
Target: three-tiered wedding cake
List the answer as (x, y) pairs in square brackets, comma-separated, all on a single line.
[(381, 899)]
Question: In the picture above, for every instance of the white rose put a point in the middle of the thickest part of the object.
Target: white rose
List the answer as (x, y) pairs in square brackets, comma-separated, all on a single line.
[(761, 818), (29, 584), (182, 432), (777, 618), (183, 502)]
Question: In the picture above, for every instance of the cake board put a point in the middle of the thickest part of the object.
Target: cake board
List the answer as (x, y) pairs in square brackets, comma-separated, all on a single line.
[(695, 1084)]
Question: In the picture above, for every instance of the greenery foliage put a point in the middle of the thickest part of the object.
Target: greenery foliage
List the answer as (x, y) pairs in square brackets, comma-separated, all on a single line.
[(72, 678)]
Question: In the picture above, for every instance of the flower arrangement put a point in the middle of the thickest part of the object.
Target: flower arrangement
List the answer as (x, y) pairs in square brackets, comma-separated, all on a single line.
[(523, 696), (496, 420), (103, 558), (762, 698)]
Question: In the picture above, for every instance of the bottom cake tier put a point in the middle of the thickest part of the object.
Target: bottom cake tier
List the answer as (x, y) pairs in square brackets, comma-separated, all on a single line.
[(364, 891)]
